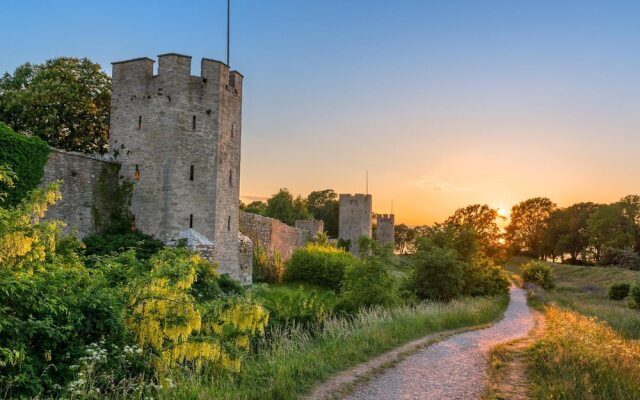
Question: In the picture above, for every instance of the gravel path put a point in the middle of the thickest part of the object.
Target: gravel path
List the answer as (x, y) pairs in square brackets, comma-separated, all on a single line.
[(454, 368)]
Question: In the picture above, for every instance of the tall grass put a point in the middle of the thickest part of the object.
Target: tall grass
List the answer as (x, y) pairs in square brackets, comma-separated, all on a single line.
[(580, 357), (291, 361)]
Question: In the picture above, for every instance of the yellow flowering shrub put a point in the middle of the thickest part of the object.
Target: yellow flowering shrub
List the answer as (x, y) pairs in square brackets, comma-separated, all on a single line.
[(173, 323)]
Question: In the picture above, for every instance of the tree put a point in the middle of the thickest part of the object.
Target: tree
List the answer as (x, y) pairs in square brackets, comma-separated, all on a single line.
[(610, 227), (567, 231), (323, 205), (283, 207), (483, 220), (525, 232), (255, 207), (65, 101), (404, 238), (438, 274), (631, 209)]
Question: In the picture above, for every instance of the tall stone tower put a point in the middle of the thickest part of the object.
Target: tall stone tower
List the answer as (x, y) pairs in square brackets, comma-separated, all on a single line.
[(385, 228), (354, 218), (177, 137)]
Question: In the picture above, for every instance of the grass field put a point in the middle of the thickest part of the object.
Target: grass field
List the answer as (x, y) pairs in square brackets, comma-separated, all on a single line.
[(590, 348), (292, 362), (584, 290)]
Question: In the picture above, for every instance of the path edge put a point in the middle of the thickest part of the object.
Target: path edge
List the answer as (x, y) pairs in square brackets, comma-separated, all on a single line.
[(344, 382)]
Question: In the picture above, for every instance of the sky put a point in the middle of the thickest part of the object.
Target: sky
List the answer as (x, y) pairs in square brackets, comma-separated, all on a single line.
[(446, 103)]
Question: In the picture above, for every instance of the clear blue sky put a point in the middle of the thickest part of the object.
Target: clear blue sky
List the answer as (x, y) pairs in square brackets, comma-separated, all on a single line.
[(446, 102)]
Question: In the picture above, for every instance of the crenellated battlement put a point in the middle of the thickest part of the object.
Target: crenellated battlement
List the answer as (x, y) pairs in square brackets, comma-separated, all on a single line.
[(385, 217), (174, 67)]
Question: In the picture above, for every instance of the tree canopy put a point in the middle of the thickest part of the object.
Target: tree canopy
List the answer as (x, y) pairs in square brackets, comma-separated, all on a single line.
[(528, 224), (65, 101)]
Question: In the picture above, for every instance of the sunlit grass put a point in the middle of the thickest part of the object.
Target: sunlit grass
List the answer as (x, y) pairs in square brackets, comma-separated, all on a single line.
[(582, 358), (291, 362)]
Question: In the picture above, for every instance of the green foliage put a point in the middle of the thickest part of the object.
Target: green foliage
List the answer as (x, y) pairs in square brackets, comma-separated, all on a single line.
[(527, 226), (567, 233), (319, 265), (283, 207), (634, 295), (65, 101), (26, 157), (323, 205), (296, 305), (111, 202), (483, 278), (438, 274), (144, 245), (609, 227), (483, 221), (538, 273), (255, 207), (623, 258), (404, 238), (267, 267), (368, 283), (618, 291)]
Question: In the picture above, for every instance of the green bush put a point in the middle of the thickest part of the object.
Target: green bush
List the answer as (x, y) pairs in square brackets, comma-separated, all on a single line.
[(107, 244), (26, 156), (267, 267), (483, 278), (368, 283), (539, 273), (618, 291), (438, 274), (319, 265), (622, 258), (295, 305), (634, 295)]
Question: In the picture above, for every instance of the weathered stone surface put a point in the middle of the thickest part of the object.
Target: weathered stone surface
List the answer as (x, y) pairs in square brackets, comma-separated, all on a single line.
[(81, 175), (308, 229), (354, 219), (385, 229), (177, 137), (271, 233)]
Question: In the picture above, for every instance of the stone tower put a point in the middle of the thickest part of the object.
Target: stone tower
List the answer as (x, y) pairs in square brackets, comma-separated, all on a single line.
[(354, 218), (385, 228), (177, 137)]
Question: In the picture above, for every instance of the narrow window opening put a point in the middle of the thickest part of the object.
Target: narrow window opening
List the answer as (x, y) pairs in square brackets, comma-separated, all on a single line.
[(133, 223), (140, 122), (190, 220), (136, 175), (193, 123), (232, 126), (229, 223), (191, 173), (230, 178)]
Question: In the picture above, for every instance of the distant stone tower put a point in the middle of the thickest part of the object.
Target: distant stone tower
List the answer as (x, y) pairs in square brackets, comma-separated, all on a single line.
[(177, 137), (354, 218), (385, 228)]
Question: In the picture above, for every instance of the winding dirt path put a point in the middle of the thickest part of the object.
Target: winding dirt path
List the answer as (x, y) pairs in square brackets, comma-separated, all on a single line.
[(454, 368)]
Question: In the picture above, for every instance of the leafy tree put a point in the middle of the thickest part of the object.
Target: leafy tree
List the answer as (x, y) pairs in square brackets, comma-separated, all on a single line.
[(610, 226), (438, 274), (323, 205), (525, 232), (483, 220), (283, 207), (567, 232), (255, 207), (404, 238), (631, 209), (368, 283), (65, 101)]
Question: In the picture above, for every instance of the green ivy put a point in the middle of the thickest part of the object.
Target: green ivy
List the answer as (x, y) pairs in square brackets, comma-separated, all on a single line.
[(26, 156)]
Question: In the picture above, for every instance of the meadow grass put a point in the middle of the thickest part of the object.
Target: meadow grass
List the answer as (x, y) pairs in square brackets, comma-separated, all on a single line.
[(581, 357), (290, 362), (584, 290)]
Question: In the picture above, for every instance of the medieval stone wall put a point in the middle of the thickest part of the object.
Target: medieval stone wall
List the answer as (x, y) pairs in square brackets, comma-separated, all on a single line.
[(354, 218), (245, 259), (271, 233), (82, 177), (385, 229), (308, 229)]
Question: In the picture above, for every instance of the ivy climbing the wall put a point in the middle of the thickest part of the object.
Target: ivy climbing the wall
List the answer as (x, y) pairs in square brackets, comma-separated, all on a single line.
[(111, 202), (26, 156)]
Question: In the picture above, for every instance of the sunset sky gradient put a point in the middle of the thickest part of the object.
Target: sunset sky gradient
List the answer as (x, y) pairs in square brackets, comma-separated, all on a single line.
[(446, 103)]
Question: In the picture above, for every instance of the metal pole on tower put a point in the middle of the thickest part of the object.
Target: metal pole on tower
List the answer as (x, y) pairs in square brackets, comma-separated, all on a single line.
[(228, 29)]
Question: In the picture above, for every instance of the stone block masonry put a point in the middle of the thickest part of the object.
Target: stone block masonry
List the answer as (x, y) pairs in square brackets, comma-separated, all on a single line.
[(354, 219), (82, 176), (385, 229), (309, 229), (276, 236)]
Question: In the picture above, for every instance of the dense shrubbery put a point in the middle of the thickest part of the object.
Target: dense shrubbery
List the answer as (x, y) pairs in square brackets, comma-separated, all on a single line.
[(438, 274), (108, 244), (319, 265), (618, 291), (69, 330), (287, 305), (539, 273), (368, 283), (623, 258), (634, 295), (26, 156), (267, 267)]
